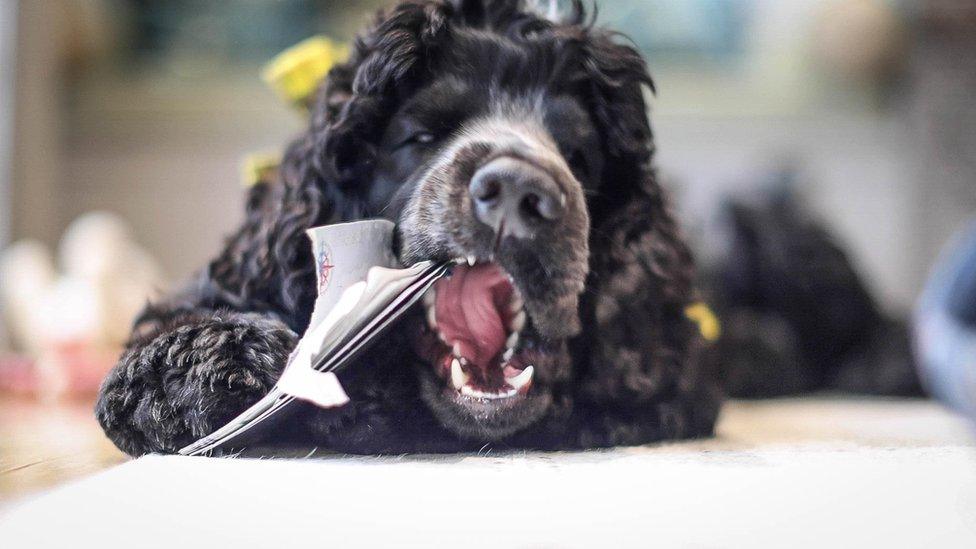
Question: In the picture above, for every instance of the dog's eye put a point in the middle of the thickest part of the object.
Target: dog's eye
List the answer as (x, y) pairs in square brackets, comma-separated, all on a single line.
[(421, 138), (577, 162)]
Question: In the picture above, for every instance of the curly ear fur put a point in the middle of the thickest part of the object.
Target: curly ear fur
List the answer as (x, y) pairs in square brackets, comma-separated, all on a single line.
[(644, 356), (268, 263)]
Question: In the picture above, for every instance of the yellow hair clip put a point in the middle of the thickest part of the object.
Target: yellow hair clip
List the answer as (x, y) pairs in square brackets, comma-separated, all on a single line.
[(296, 73), (708, 323), (258, 167)]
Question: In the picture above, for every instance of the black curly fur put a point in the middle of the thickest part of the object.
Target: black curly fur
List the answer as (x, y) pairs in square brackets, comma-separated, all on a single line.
[(797, 316), (634, 375), (183, 378)]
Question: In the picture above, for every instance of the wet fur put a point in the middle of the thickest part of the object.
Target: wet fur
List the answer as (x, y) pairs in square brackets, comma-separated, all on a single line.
[(634, 374)]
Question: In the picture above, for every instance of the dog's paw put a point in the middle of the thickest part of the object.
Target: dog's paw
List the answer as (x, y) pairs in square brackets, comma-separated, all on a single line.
[(188, 381)]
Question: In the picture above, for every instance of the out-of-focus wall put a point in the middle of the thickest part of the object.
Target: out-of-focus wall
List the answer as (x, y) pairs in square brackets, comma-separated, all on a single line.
[(168, 158), (37, 174), (160, 142), (856, 172), (8, 29)]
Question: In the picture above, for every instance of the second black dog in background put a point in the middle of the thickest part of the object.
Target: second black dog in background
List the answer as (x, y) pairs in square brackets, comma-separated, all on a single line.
[(796, 315)]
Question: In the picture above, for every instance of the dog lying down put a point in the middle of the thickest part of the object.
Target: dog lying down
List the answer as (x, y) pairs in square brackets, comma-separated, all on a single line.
[(484, 131)]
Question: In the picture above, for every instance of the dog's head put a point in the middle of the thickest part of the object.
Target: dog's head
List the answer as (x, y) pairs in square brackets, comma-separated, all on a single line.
[(499, 138)]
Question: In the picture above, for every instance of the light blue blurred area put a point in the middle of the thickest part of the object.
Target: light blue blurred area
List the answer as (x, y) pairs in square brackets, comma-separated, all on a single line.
[(707, 29), (945, 325)]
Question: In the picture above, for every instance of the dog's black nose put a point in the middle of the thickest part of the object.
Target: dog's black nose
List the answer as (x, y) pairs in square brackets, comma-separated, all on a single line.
[(516, 196)]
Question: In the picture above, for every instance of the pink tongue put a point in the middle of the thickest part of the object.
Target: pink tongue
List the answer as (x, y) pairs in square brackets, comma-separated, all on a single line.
[(469, 310)]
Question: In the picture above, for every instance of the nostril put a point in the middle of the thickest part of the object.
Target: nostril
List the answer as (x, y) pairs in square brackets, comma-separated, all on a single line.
[(530, 206), (486, 190), (541, 207)]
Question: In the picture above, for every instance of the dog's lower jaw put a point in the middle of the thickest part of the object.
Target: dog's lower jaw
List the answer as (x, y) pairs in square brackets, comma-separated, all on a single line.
[(485, 370), (480, 420)]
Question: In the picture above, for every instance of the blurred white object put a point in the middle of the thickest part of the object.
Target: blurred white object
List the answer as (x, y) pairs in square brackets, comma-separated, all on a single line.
[(74, 321), (99, 256), (26, 275)]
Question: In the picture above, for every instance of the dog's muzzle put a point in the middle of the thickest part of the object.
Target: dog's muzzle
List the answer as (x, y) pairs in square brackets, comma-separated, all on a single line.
[(502, 202)]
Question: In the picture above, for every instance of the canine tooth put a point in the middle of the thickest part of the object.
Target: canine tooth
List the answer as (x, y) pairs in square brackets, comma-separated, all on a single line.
[(456, 349), (518, 322), (472, 260), (432, 318), (458, 378), (512, 340), (519, 381), (509, 353)]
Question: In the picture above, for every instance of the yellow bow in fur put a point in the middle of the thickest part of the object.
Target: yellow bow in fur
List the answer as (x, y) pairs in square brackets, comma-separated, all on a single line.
[(295, 74), (708, 323)]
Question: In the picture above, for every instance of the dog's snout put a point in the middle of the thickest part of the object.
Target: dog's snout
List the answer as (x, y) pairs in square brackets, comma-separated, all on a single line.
[(516, 197)]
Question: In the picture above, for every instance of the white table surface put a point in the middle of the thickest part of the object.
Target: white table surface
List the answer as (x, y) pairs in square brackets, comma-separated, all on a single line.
[(788, 473)]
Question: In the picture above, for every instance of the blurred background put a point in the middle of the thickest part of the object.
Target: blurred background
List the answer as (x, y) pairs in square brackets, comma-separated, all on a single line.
[(143, 111)]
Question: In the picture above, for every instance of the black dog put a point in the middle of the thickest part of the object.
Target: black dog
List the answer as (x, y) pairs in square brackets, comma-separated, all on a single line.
[(485, 131), (797, 316)]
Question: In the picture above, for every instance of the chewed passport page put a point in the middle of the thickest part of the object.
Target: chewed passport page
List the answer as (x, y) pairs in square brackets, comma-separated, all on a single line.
[(360, 293)]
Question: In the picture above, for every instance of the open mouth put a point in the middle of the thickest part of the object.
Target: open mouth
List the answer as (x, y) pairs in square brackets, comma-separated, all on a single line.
[(473, 334)]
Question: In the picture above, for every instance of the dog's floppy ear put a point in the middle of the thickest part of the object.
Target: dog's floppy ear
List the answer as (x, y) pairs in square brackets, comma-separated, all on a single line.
[(359, 96), (617, 75), (642, 346), (325, 171), (630, 194)]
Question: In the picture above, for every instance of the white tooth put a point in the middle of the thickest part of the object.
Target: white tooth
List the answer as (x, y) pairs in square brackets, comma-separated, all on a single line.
[(512, 340), (472, 260), (519, 381), (456, 349), (431, 318), (509, 353), (459, 260), (518, 322), (458, 378), (516, 304), (467, 390), (430, 297)]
